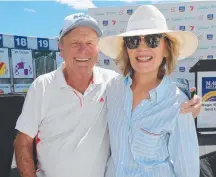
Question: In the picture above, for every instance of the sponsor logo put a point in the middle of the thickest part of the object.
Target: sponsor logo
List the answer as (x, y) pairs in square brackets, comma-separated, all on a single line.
[(182, 28), (213, 6), (173, 28), (113, 22), (213, 26), (106, 61), (173, 9), (202, 7), (121, 30), (200, 37), (192, 27), (200, 17), (209, 36), (176, 19), (181, 69), (164, 9), (123, 21), (181, 8), (210, 57), (209, 89), (191, 8), (110, 32), (203, 27), (99, 14), (105, 23), (121, 12), (189, 18), (210, 16), (130, 11), (111, 13), (204, 47)]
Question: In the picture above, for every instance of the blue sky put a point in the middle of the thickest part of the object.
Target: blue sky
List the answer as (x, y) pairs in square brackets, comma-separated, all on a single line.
[(44, 18)]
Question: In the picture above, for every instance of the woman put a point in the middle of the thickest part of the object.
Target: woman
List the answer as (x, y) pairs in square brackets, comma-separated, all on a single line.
[(148, 135)]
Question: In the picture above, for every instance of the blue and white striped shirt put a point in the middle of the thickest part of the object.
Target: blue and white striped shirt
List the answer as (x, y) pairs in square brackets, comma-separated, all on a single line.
[(154, 139)]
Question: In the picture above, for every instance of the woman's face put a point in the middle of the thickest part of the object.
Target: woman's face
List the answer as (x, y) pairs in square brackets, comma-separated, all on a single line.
[(146, 52)]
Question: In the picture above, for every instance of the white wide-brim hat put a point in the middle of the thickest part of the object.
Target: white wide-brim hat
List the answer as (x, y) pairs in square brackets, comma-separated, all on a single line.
[(147, 19)]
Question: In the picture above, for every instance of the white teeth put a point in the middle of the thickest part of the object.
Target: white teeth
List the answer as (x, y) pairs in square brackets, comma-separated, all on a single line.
[(144, 58), (82, 59)]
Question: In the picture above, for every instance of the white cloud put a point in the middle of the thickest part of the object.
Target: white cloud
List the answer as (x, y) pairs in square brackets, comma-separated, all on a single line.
[(29, 10), (78, 4)]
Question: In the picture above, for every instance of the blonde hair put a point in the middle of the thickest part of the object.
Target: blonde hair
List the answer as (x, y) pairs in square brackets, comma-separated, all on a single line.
[(123, 62)]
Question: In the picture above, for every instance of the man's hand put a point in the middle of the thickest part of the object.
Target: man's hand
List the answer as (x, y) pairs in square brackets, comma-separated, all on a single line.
[(193, 105)]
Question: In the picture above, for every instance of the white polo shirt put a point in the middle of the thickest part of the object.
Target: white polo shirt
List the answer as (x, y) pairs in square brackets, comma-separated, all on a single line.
[(71, 128)]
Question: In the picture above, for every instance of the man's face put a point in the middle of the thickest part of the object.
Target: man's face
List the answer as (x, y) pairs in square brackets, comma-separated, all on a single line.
[(79, 49)]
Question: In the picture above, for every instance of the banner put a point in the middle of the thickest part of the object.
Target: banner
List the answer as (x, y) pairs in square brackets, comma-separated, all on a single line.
[(207, 89), (22, 63), (21, 87), (27, 42), (5, 88), (59, 59), (4, 63)]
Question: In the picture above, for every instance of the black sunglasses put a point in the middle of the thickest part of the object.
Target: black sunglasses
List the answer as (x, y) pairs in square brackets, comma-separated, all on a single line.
[(151, 41)]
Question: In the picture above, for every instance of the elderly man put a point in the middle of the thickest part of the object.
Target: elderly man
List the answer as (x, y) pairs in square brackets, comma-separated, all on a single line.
[(65, 110)]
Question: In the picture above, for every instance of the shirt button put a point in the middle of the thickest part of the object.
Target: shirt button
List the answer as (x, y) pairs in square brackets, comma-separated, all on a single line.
[(130, 139)]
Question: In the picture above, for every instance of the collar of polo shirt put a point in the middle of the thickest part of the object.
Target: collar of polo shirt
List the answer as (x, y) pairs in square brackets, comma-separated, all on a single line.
[(97, 78)]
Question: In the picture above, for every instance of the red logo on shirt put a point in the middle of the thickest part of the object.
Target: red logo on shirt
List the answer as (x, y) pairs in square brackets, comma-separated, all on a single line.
[(102, 100)]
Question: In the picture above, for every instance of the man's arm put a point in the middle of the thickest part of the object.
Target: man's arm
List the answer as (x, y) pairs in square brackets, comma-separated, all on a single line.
[(24, 155)]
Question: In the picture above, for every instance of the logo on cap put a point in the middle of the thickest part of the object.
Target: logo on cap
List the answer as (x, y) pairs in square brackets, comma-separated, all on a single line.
[(210, 16), (105, 23), (81, 16)]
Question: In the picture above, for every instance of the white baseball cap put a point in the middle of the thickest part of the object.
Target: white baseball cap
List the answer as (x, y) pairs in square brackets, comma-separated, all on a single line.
[(77, 20)]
